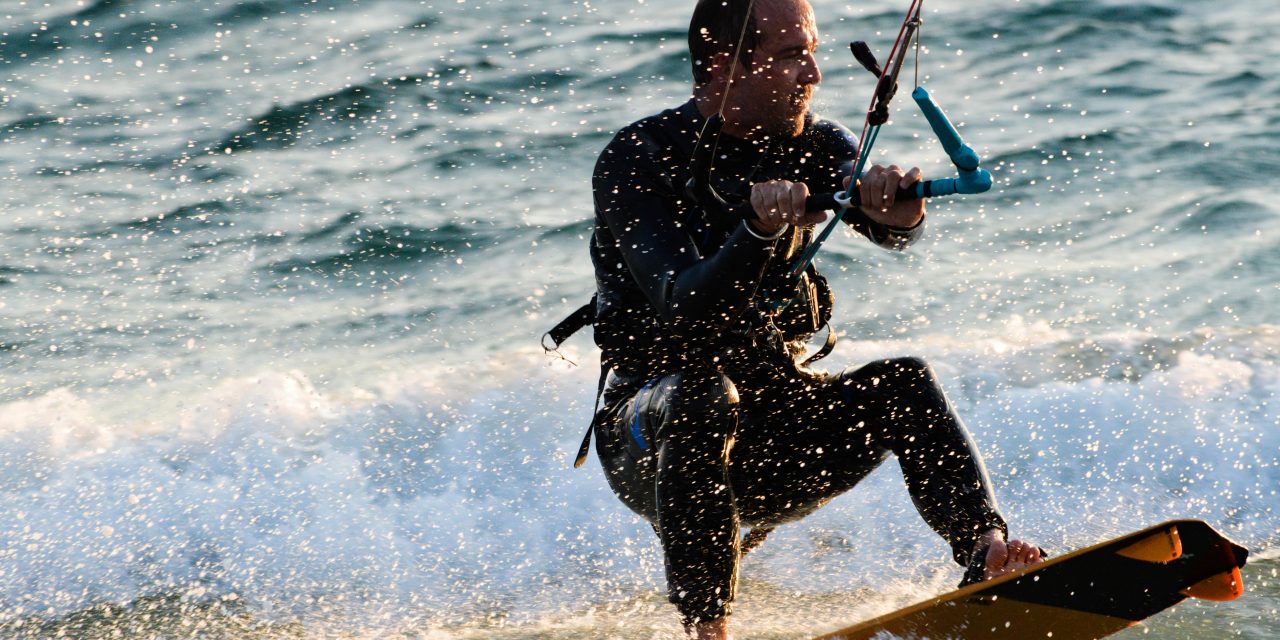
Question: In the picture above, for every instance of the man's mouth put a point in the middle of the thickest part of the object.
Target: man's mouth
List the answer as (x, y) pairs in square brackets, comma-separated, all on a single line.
[(800, 100)]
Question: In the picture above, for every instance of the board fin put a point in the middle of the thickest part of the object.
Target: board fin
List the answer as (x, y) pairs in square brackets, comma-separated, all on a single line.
[(1227, 585), (1162, 546)]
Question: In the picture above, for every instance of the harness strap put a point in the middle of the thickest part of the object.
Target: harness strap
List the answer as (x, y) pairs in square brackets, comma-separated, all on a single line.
[(826, 349), (585, 315), (585, 447)]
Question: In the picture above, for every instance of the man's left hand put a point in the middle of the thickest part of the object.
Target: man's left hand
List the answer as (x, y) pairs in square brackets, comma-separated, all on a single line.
[(879, 188)]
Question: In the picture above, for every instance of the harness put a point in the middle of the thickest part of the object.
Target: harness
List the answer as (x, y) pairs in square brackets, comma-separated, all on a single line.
[(762, 331)]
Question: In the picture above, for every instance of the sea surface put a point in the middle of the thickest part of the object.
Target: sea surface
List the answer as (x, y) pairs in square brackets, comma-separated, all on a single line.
[(273, 274)]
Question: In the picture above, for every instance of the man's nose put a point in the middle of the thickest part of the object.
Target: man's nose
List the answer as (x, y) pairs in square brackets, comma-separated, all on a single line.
[(811, 74)]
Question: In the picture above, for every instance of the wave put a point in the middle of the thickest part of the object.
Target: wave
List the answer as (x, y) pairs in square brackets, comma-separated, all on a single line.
[(334, 117), (397, 244), (27, 124), (132, 23), (208, 212), (1193, 218), (642, 71), (1132, 13), (661, 34), (576, 229), (1069, 20), (99, 9), (447, 496), (129, 22), (9, 274), (1244, 81), (343, 222), (1036, 152)]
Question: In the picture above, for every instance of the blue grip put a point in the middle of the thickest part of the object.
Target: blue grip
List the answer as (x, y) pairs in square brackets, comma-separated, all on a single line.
[(967, 182), (971, 178), (962, 155)]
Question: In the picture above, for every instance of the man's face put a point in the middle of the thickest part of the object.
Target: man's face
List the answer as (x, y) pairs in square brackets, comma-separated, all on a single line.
[(772, 96)]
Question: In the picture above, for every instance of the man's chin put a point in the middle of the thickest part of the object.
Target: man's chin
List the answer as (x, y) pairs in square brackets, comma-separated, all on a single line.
[(795, 116), (785, 126), (792, 126)]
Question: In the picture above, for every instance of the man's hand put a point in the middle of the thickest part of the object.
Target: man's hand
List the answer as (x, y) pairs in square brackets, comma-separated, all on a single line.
[(781, 202), (879, 187)]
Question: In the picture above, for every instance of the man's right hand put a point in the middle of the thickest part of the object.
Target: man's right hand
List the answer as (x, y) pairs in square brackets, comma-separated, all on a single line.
[(781, 202)]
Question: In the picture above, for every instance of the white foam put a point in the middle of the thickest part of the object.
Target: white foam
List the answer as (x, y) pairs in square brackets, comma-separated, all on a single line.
[(449, 498)]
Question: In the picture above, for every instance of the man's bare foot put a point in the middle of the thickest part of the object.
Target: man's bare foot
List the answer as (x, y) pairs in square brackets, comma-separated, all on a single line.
[(717, 629), (1006, 557)]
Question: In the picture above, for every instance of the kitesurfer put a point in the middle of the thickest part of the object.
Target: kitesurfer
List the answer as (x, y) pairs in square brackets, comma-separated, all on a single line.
[(710, 419)]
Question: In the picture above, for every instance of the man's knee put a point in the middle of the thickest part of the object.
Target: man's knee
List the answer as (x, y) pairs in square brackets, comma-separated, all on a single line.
[(710, 393), (905, 368), (702, 404), (889, 374)]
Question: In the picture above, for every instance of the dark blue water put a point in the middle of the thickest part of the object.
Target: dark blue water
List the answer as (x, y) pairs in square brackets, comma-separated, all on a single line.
[(273, 273)]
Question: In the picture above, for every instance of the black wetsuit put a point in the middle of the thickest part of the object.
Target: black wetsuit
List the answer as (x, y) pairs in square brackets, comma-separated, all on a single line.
[(708, 420)]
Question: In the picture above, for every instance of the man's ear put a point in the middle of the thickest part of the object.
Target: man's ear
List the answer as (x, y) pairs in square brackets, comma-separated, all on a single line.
[(719, 68)]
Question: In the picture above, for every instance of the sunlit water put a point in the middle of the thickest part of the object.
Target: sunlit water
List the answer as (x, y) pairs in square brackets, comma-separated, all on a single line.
[(273, 273)]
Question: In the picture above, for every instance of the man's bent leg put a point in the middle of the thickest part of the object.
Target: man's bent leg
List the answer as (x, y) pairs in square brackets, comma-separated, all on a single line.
[(798, 446), (697, 518), (941, 464), (801, 449), (665, 453)]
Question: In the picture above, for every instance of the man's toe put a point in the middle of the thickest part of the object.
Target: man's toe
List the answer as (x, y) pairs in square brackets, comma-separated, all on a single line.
[(997, 557)]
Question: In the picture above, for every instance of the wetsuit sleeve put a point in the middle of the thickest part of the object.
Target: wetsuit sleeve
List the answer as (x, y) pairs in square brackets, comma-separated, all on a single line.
[(638, 203), (895, 238), (838, 142)]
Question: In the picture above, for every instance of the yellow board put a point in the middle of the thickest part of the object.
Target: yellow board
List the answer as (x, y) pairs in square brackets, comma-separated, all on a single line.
[(1009, 620), (1083, 595)]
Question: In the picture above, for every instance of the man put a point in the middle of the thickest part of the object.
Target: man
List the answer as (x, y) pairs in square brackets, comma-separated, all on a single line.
[(710, 422)]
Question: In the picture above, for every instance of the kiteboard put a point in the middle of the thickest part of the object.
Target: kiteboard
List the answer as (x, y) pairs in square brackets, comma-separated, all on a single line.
[(1083, 595)]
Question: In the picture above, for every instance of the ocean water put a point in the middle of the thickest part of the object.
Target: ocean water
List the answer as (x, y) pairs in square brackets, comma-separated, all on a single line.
[(273, 273)]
